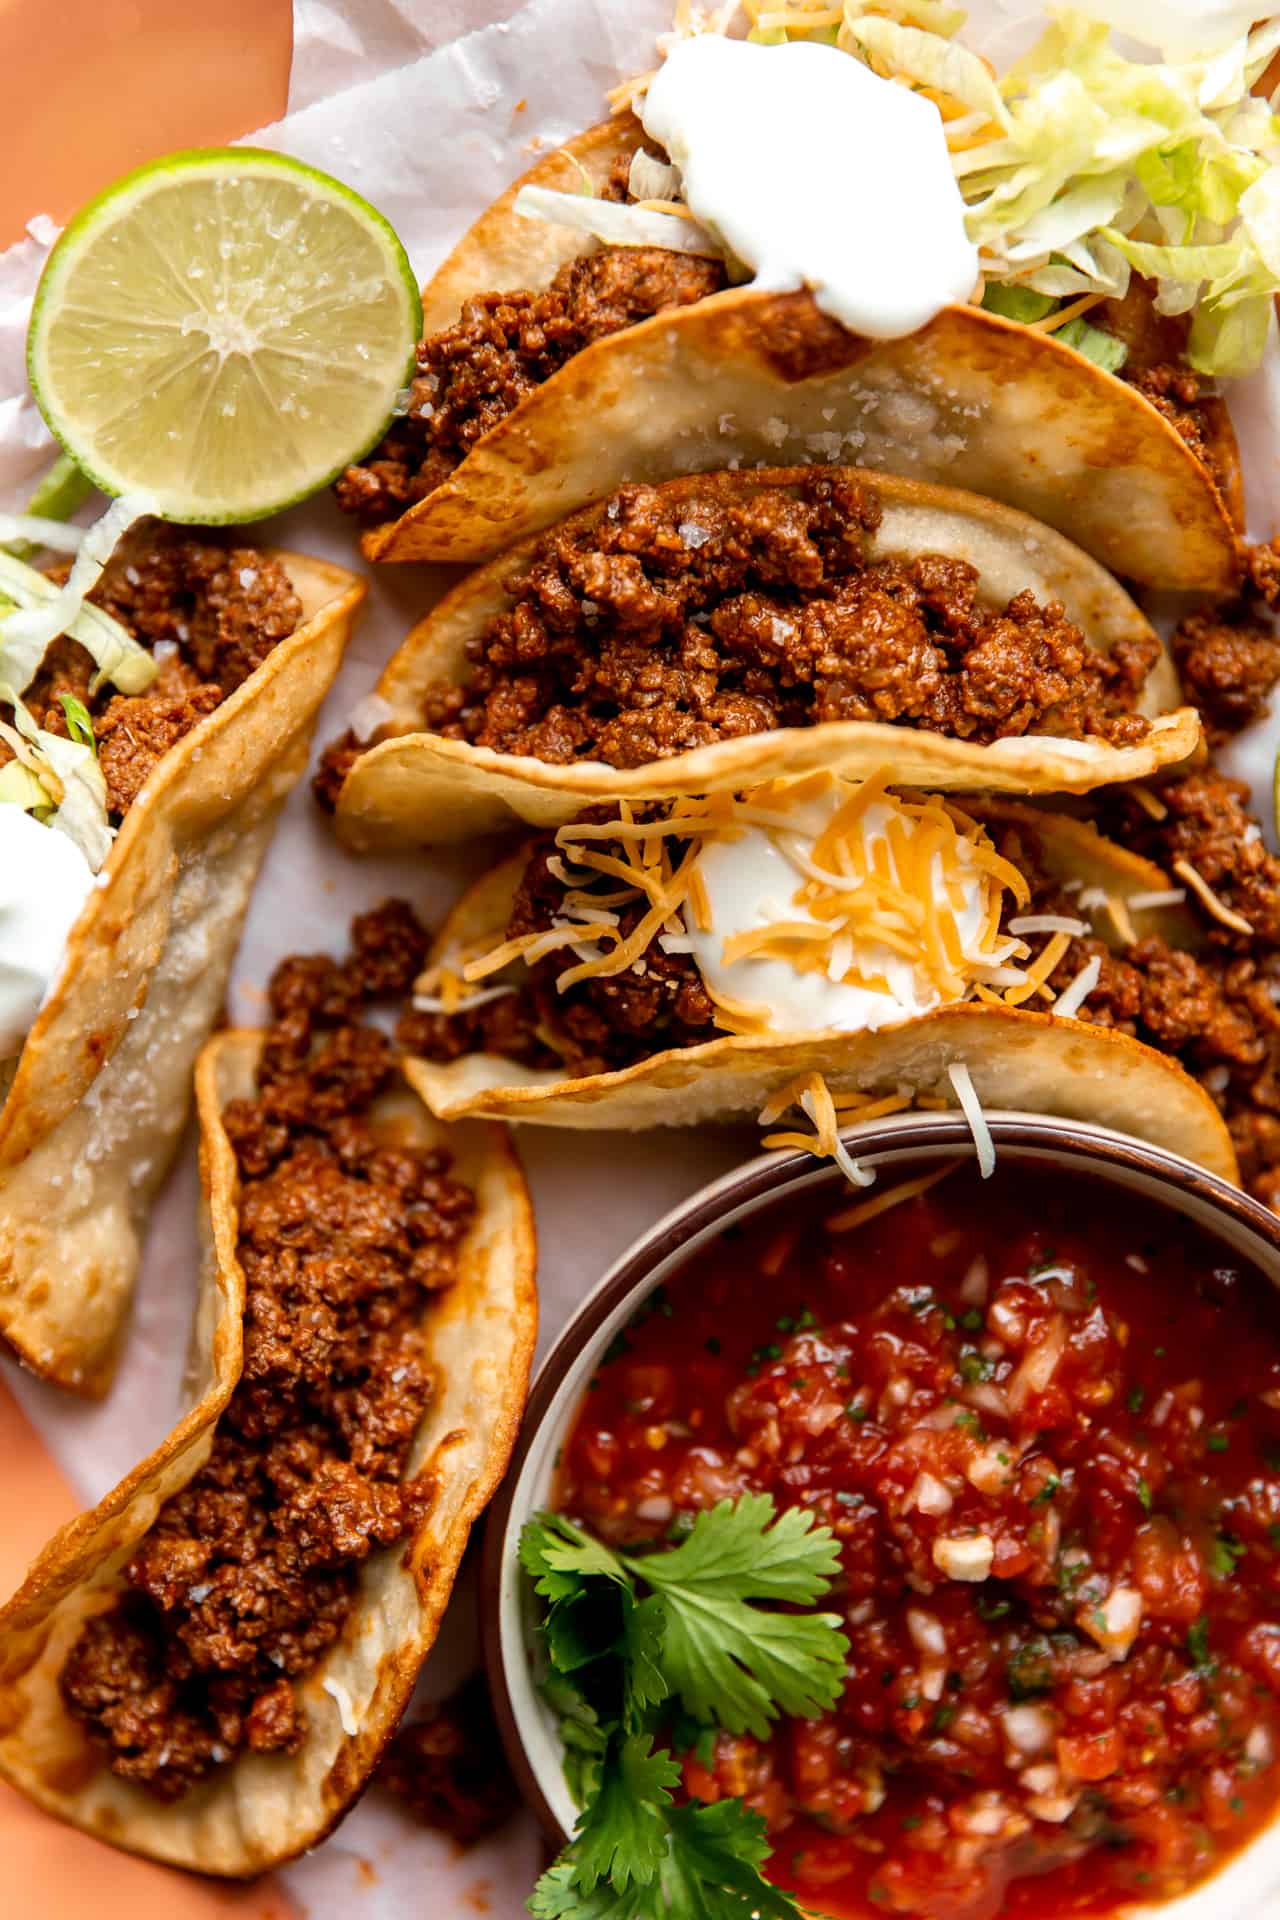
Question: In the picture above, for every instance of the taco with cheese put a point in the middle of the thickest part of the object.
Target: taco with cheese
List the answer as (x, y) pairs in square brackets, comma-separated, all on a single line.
[(734, 627), (673, 292), (149, 735), (205, 1668), (839, 943)]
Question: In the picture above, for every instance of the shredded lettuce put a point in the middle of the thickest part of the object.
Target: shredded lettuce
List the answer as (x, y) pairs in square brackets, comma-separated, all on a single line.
[(1102, 348), (614, 222), (45, 611), (1080, 166), (19, 787), (68, 775), (25, 633), (58, 493)]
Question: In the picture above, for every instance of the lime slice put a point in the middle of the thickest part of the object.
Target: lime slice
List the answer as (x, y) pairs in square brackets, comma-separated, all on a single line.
[(223, 331)]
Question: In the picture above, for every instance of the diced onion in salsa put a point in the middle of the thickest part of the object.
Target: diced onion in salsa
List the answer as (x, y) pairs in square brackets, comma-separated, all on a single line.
[(1043, 1420)]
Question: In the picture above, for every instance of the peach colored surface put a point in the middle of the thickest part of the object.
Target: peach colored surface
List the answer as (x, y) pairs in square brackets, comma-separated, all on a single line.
[(93, 87), (105, 84)]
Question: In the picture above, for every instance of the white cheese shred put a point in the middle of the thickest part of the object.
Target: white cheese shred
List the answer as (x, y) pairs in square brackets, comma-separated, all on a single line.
[(966, 1093), (345, 1705), (1072, 998)]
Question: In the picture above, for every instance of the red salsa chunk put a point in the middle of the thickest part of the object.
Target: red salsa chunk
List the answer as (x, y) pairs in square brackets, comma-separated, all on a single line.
[(1044, 1423)]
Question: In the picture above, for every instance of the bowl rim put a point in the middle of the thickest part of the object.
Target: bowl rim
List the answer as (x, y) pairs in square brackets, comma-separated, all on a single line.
[(768, 1176)]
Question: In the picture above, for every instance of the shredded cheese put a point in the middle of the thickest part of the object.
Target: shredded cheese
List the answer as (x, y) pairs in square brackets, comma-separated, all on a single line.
[(345, 1705), (813, 1096), (1148, 801), (866, 1210), (967, 1094), (1073, 997), (1164, 897), (1226, 916), (896, 891)]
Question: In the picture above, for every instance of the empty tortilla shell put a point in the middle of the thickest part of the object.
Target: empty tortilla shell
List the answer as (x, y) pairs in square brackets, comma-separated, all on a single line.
[(970, 400), (101, 1090), (416, 788), (1019, 1061), (260, 1809)]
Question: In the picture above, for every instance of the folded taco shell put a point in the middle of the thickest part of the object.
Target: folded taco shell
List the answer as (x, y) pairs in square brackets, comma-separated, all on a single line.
[(260, 1809), (416, 788), (971, 400), (100, 1094), (1019, 1061)]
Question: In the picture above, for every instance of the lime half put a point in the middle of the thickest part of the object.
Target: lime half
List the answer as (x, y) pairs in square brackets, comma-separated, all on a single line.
[(223, 331)]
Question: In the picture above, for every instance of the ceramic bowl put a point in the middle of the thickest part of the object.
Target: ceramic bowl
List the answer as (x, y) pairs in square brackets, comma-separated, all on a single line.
[(898, 1147)]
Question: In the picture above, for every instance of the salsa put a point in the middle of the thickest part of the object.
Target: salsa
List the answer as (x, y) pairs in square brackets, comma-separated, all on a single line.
[(1043, 1420)]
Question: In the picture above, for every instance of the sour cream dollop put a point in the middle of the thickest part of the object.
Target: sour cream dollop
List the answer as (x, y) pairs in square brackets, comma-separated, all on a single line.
[(750, 882), (817, 173), (44, 882)]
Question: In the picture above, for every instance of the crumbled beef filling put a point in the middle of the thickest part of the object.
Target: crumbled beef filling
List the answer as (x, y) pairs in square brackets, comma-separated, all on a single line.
[(476, 372), (595, 1026), (1155, 365), (677, 619), (1208, 825), (449, 1768), (1217, 1009), (216, 612), (1229, 660), (249, 1573), (336, 763)]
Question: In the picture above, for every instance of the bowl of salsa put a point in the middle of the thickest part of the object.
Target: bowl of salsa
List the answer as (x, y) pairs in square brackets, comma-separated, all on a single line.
[(1027, 1429)]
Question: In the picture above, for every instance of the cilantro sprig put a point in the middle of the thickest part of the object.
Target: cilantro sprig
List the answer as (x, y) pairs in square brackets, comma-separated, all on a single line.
[(680, 1643)]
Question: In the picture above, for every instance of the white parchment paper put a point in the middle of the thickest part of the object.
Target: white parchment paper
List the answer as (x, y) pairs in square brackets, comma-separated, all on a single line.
[(430, 121)]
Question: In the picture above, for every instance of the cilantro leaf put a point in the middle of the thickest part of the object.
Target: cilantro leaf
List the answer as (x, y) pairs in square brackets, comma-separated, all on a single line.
[(622, 1833), (644, 1684), (740, 1666), (583, 1734), (729, 1660), (741, 1550), (561, 1556), (709, 1869), (716, 1856)]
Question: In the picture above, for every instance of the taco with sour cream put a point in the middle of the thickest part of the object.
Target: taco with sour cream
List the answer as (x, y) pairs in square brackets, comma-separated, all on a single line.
[(919, 269), (206, 1667), (843, 945), (732, 627), (155, 711)]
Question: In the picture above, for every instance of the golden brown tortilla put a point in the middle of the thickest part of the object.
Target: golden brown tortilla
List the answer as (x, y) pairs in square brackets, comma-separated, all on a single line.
[(971, 400), (1019, 1061), (261, 1809), (416, 788), (100, 1095)]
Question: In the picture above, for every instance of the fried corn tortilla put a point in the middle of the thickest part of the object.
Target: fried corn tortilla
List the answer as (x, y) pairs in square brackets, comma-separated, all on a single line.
[(972, 399), (261, 1809), (99, 1097), (415, 788), (1018, 1060)]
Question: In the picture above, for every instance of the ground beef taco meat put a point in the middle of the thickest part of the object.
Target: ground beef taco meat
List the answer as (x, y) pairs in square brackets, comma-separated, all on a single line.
[(473, 374), (210, 612), (675, 620), (248, 1574)]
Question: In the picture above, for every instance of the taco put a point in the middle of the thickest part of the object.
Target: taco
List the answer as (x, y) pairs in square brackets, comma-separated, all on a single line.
[(206, 1667), (731, 627), (830, 941), (134, 815), (555, 369)]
